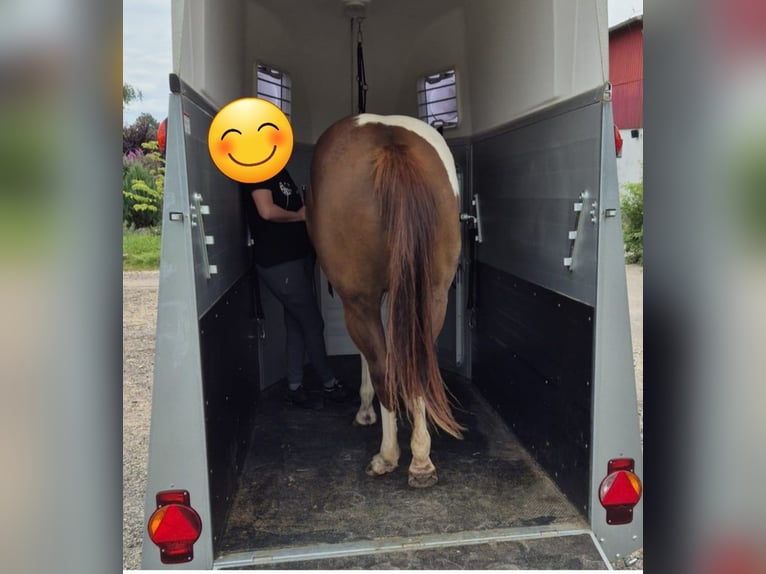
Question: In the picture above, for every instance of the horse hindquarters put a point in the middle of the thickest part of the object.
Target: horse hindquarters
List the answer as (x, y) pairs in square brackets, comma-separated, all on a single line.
[(403, 239)]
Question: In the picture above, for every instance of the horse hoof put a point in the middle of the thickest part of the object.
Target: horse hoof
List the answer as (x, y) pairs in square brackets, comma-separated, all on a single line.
[(365, 418), (379, 467), (422, 480)]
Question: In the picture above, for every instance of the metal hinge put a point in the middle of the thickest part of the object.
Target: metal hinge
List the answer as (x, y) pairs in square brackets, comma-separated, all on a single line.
[(607, 94)]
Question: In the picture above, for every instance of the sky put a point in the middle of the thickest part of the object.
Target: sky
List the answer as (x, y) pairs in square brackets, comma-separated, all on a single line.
[(147, 52), (147, 58)]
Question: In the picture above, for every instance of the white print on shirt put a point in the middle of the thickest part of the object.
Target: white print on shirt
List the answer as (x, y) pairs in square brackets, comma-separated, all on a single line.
[(287, 191)]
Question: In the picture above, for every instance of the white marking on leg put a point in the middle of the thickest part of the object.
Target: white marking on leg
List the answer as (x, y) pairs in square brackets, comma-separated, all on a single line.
[(422, 470), (389, 446), (366, 415), (423, 130), (388, 458)]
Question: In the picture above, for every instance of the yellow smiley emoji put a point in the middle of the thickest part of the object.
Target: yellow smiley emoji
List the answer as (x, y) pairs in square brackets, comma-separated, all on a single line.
[(250, 140)]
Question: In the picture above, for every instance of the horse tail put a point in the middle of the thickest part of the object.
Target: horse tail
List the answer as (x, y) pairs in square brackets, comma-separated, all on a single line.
[(409, 216)]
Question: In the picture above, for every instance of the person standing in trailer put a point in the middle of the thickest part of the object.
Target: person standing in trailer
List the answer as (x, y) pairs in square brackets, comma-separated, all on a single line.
[(284, 260)]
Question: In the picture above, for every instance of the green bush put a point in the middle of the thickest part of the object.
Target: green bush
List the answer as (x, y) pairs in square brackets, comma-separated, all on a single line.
[(632, 207), (143, 184), (136, 218)]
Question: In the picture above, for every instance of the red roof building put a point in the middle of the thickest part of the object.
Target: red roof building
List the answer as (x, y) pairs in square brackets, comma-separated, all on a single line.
[(626, 73)]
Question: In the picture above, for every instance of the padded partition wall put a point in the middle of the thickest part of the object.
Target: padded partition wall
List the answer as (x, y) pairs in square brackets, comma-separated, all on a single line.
[(531, 178), (533, 339), (216, 221)]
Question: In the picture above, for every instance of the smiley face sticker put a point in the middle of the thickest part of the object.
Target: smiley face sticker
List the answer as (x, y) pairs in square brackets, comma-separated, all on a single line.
[(250, 140)]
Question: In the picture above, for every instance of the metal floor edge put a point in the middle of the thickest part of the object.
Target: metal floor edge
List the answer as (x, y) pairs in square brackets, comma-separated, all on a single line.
[(286, 555)]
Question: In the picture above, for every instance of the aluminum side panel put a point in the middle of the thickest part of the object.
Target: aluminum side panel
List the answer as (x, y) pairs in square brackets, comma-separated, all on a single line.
[(177, 441), (615, 417)]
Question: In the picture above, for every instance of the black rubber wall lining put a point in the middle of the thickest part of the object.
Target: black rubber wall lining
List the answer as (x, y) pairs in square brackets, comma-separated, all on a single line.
[(229, 348), (532, 353)]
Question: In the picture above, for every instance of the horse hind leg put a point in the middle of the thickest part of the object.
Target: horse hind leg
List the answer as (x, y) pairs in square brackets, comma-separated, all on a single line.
[(422, 472), (366, 330), (366, 415), (387, 460)]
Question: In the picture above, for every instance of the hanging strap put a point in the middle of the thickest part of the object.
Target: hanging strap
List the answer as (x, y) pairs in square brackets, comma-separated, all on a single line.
[(256, 310), (256, 306), (471, 300), (361, 77)]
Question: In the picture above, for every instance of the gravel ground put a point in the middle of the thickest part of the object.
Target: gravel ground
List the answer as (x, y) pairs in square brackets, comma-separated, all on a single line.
[(139, 308), (139, 320), (635, 276)]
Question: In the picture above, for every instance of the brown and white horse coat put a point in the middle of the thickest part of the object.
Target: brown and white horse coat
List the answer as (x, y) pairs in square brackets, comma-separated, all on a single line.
[(383, 213)]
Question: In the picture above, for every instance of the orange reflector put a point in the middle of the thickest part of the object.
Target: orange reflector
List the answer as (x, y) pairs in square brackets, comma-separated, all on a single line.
[(620, 491), (175, 526)]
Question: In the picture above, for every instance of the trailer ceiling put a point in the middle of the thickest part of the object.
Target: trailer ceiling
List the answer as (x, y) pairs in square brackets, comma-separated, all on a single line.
[(511, 57)]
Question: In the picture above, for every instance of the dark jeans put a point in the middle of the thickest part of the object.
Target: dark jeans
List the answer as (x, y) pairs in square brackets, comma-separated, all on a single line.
[(292, 283)]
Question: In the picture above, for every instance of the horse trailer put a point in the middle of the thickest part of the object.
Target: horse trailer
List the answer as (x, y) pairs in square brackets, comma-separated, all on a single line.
[(536, 347)]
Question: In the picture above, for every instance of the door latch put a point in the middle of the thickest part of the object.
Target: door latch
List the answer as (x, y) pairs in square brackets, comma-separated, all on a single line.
[(474, 220)]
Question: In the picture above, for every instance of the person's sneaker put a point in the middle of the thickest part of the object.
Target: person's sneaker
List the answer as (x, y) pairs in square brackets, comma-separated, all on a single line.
[(300, 398), (337, 392)]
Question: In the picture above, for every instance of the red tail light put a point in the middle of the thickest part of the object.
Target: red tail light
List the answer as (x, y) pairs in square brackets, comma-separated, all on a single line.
[(617, 142), (162, 135), (620, 491), (175, 526)]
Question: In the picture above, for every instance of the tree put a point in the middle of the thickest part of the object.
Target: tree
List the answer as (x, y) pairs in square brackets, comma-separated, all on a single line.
[(142, 131), (130, 94)]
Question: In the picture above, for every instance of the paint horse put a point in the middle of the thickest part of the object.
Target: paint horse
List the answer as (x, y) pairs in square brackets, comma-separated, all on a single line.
[(382, 212)]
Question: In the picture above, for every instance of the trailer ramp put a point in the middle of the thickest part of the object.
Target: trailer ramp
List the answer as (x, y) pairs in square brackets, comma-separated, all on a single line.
[(304, 500)]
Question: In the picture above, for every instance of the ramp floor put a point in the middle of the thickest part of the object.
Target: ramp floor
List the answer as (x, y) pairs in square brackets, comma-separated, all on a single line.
[(303, 492)]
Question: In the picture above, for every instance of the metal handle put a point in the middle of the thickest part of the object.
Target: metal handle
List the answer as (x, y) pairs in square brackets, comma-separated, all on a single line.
[(573, 234), (197, 211), (474, 220)]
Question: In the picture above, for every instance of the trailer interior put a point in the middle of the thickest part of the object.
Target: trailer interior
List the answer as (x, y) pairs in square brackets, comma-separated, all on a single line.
[(536, 347)]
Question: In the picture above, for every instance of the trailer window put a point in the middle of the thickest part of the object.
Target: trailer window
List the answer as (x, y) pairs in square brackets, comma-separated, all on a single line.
[(275, 86), (437, 99)]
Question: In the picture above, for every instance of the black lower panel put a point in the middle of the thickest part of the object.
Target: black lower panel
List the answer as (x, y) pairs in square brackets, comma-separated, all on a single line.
[(304, 479), (532, 358), (230, 373)]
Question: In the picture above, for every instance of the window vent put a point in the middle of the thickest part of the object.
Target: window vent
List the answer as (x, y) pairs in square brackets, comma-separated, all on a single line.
[(437, 99), (275, 86)]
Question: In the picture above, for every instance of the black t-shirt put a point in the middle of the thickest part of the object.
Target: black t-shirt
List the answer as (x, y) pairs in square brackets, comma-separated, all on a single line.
[(276, 242)]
